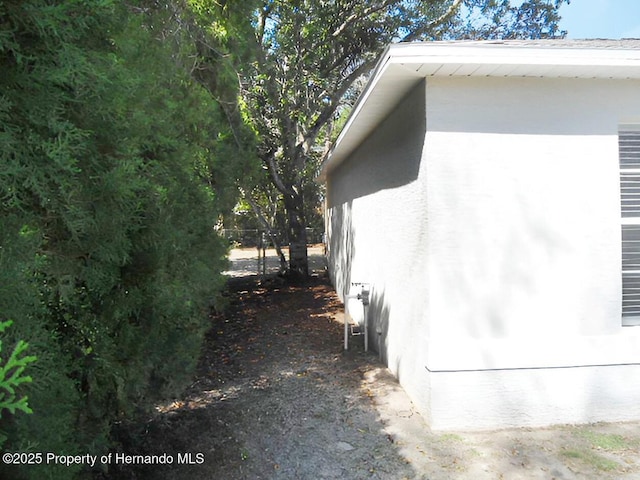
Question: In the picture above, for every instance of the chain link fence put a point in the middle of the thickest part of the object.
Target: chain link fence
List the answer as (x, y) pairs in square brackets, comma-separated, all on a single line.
[(255, 237)]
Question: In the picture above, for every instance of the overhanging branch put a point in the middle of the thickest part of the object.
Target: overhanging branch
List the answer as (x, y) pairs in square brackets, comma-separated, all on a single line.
[(359, 16), (334, 99), (275, 176), (451, 11)]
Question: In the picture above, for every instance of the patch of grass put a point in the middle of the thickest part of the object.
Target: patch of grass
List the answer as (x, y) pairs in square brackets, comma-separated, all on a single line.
[(450, 438), (593, 459), (244, 454), (474, 453), (606, 441)]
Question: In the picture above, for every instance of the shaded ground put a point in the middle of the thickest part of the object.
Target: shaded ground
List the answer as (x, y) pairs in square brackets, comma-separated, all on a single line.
[(277, 398)]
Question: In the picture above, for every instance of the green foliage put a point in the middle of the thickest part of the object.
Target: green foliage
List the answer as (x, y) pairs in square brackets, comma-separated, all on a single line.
[(501, 19), (11, 376), (114, 170)]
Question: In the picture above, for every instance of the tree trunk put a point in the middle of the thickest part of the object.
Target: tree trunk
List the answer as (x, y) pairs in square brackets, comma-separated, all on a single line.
[(276, 245), (298, 261)]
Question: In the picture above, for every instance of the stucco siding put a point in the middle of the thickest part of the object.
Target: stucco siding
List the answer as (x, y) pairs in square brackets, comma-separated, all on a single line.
[(532, 398), (377, 227), (524, 252), (485, 213), (525, 218)]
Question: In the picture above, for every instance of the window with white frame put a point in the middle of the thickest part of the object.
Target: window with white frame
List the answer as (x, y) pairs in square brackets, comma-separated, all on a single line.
[(629, 155)]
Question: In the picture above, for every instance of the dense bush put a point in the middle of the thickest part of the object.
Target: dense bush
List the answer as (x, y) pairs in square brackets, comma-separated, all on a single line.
[(111, 180)]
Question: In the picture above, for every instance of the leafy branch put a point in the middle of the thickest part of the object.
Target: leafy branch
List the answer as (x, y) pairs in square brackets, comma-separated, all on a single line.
[(11, 376)]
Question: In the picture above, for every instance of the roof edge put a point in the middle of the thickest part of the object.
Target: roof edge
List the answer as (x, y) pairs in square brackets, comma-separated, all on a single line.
[(404, 64)]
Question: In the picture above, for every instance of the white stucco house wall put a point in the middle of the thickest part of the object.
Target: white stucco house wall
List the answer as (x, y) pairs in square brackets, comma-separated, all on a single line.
[(489, 192)]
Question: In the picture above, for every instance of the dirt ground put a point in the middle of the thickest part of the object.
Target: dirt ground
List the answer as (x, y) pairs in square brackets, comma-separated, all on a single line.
[(276, 397)]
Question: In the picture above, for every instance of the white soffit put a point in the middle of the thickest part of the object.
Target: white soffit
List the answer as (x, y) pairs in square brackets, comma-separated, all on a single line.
[(402, 66)]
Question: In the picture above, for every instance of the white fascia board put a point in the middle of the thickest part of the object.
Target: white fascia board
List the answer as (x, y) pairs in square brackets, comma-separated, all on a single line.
[(497, 54)]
